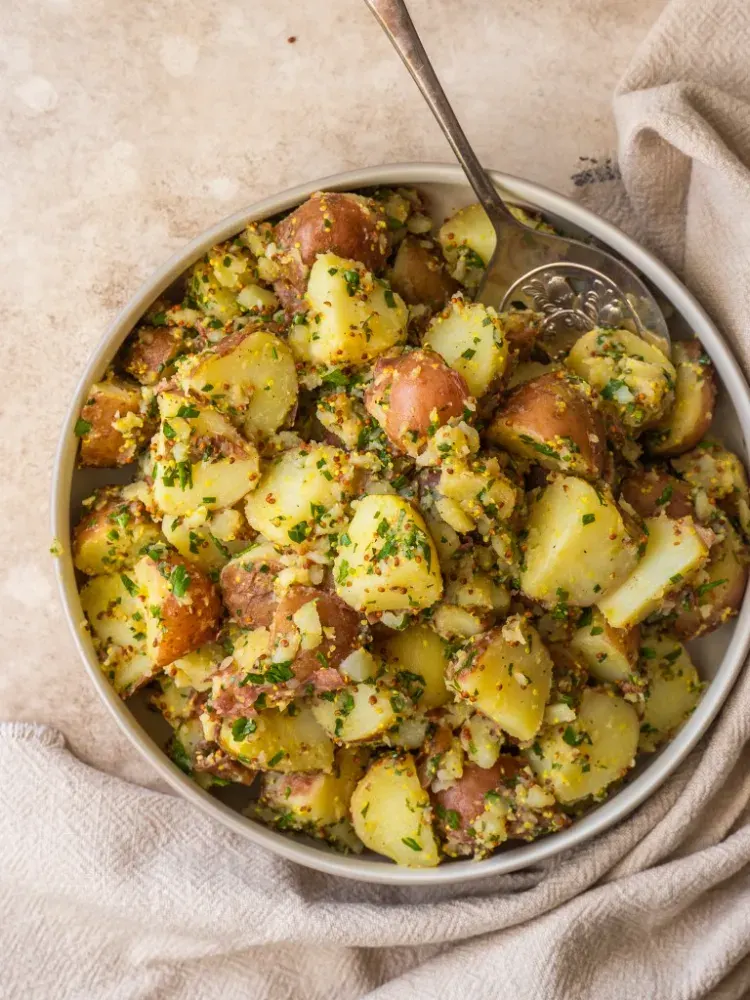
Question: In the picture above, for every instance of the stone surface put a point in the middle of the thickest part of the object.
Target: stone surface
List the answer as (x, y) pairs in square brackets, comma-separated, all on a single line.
[(127, 128)]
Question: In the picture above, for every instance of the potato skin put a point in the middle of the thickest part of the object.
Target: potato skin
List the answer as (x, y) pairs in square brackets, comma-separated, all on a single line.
[(727, 571), (565, 431), (420, 276), (150, 352), (466, 797), (248, 592), (522, 328), (412, 394), (120, 527), (644, 490), (183, 625), (332, 222), (695, 398), (334, 614), (103, 445)]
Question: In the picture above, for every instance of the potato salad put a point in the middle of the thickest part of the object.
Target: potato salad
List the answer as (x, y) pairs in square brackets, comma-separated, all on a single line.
[(415, 571)]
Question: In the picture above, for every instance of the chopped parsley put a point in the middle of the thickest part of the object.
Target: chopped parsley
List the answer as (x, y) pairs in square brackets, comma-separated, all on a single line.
[(187, 410), (128, 584), (411, 843), (179, 581), (279, 673), (242, 728)]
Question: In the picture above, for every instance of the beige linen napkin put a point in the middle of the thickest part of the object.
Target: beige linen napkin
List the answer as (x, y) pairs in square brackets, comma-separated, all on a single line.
[(108, 890)]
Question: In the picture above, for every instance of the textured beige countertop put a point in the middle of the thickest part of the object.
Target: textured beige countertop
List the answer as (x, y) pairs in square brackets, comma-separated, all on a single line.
[(127, 128)]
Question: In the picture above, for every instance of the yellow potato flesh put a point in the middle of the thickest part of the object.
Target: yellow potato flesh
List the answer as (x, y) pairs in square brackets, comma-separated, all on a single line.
[(674, 689), (352, 317), (582, 757), (391, 563), (215, 482), (292, 489), (577, 547), (110, 604), (391, 813), (257, 378), (420, 650), (510, 682), (470, 339), (281, 742), (674, 549)]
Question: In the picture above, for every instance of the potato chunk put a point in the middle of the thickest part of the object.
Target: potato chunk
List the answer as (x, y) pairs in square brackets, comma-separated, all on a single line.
[(391, 813), (316, 804), (207, 538), (182, 606), (360, 712), (507, 675), (580, 758), (552, 421), (333, 222), (469, 337), (475, 494), (674, 689), (420, 276), (715, 593), (247, 585), (300, 495), (391, 563), (694, 399), (417, 657), (114, 424), (116, 614), (201, 458), (248, 374), (195, 670), (150, 352), (674, 549), (633, 376), (468, 240), (353, 317), (286, 741), (414, 394), (712, 468), (578, 545), (112, 533), (610, 654), (654, 491)]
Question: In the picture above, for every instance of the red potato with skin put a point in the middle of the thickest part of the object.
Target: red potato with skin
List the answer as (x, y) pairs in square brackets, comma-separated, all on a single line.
[(522, 329), (112, 533), (489, 805), (248, 592), (182, 606), (695, 398), (347, 225), (552, 420), (654, 491), (412, 395), (717, 593), (467, 796), (150, 352), (341, 627), (420, 276), (111, 403)]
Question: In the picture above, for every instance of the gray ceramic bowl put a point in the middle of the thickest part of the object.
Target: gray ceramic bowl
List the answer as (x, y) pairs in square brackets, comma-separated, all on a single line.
[(719, 656)]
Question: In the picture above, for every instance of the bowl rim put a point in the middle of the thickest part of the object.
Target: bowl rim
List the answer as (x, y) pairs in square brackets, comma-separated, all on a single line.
[(317, 857)]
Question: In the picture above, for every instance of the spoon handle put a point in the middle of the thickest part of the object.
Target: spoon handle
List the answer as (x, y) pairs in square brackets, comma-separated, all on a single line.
[(394, 19)]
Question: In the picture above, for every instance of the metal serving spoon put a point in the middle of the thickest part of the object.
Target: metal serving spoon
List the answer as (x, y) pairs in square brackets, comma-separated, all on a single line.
[(576, 286)]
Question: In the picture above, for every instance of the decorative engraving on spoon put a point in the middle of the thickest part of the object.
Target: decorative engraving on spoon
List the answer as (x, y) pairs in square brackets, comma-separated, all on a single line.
[(573, 297)]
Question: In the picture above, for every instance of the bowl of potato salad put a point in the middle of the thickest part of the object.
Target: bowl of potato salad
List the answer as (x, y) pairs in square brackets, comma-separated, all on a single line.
[(395, 585)]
